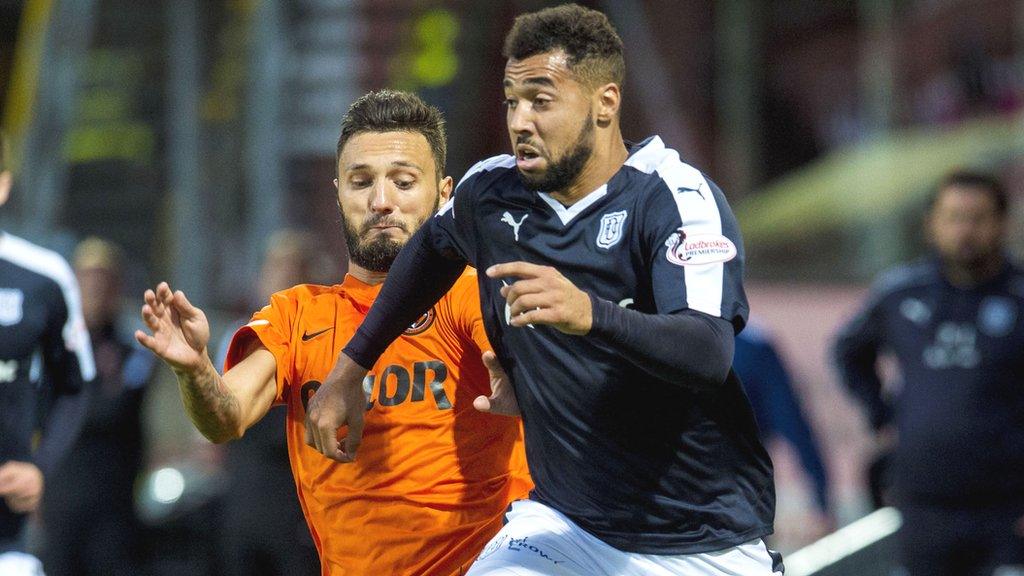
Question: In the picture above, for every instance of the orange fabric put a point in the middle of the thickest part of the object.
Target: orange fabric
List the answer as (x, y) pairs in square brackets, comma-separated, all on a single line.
[(433, 477)]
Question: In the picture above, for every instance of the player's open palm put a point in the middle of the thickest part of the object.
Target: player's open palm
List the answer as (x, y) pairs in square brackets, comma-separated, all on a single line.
[(180, 331)]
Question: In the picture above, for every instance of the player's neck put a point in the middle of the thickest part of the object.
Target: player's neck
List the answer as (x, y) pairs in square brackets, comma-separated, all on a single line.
[(967, 277), (366, 276), (606, 160)]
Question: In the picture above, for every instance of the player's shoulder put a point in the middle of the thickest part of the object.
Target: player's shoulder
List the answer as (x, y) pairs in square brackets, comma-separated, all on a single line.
[(497, 165), (306, 295), (906, 277), (655, 163), (1015, 280), (35, 260), (486, 173)]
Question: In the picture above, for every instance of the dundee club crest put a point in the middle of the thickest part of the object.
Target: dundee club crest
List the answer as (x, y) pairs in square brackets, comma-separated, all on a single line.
[(12, 303), (611, 229)]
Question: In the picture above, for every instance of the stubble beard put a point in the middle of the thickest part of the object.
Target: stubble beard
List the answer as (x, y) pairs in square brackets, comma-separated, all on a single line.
[(562, 174)]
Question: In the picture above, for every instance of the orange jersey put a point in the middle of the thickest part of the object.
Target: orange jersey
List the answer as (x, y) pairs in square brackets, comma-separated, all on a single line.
[(433, 477)]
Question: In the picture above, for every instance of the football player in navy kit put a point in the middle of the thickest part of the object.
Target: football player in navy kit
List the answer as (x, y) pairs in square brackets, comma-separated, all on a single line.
[(40, 321), (612, 293), (955, 324)]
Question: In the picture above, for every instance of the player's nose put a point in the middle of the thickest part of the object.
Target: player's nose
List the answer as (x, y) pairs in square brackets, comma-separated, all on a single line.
[(382, 199), (520, 120)]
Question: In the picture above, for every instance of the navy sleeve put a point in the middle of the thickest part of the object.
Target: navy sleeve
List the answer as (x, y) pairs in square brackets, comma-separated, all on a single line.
[(788, 420), (68, 372), (695, 250), (855, 353), (425, 269), (689, 348)]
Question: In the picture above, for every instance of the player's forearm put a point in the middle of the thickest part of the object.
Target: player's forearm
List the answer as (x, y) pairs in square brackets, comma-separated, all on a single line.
[(691, 349), (855, 358), (210, 404), (63, 424), (861, 379)]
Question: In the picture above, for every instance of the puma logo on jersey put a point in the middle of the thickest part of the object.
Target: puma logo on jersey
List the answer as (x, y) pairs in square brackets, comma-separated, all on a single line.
[(508, 219), (685, 189)]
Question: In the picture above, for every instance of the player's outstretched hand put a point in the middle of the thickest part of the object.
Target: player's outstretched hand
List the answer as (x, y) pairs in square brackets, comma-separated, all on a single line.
[(180, 331), (541, 295), (21, 486), (502, 400), (339, 401)]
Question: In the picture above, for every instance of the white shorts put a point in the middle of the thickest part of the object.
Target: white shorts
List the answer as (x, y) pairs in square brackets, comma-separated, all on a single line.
[(538, 540), (20, 564)]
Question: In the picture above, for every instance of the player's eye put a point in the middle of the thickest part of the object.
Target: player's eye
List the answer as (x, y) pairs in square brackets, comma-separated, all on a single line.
[(404, 184), (541, 102), (509, 103), (360, 183)]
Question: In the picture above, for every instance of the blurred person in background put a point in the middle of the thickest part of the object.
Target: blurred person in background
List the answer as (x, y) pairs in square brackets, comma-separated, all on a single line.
[(428, 504), (262, 529), (955, 325), (44, 349), (88, 515), (779, 414)]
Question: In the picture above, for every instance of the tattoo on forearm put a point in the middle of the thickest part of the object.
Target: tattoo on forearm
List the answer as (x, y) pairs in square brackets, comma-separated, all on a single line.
[(210, 405)]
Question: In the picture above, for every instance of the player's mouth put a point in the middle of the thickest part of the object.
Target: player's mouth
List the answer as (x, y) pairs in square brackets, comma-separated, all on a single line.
[(527, 158), (386, 227)]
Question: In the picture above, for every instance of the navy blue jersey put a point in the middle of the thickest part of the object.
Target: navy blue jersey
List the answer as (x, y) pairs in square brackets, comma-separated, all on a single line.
[(42, 339), (645, 464), (959, 408)]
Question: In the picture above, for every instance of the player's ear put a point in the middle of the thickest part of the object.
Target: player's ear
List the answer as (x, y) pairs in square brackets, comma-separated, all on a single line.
[(444, 189), (609, 99), (336, 184), (5, 186)]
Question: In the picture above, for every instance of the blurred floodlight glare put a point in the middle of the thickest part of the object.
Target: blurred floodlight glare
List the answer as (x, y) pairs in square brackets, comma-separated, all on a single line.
[(168, 485)]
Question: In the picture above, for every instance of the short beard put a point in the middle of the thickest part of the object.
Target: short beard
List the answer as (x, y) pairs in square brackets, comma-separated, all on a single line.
[(379, 254), (375, 255), (560, 175)]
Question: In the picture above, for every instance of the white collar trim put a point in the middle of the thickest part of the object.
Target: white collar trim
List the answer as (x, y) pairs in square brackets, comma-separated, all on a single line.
[(567, 214)]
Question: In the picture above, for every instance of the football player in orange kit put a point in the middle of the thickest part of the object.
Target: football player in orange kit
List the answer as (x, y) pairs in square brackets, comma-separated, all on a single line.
[(429, 502)]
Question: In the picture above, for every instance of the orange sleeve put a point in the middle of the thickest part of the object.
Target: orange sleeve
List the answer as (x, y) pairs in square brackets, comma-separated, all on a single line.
[(467, 303), (273, 326)]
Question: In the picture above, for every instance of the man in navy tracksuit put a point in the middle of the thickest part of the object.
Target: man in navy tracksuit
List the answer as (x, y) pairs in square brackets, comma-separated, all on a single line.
[(955, 324)]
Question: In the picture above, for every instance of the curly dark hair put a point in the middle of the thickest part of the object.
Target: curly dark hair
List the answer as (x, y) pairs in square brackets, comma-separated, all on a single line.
[(395, 111), (975, 180), (587, 37)]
